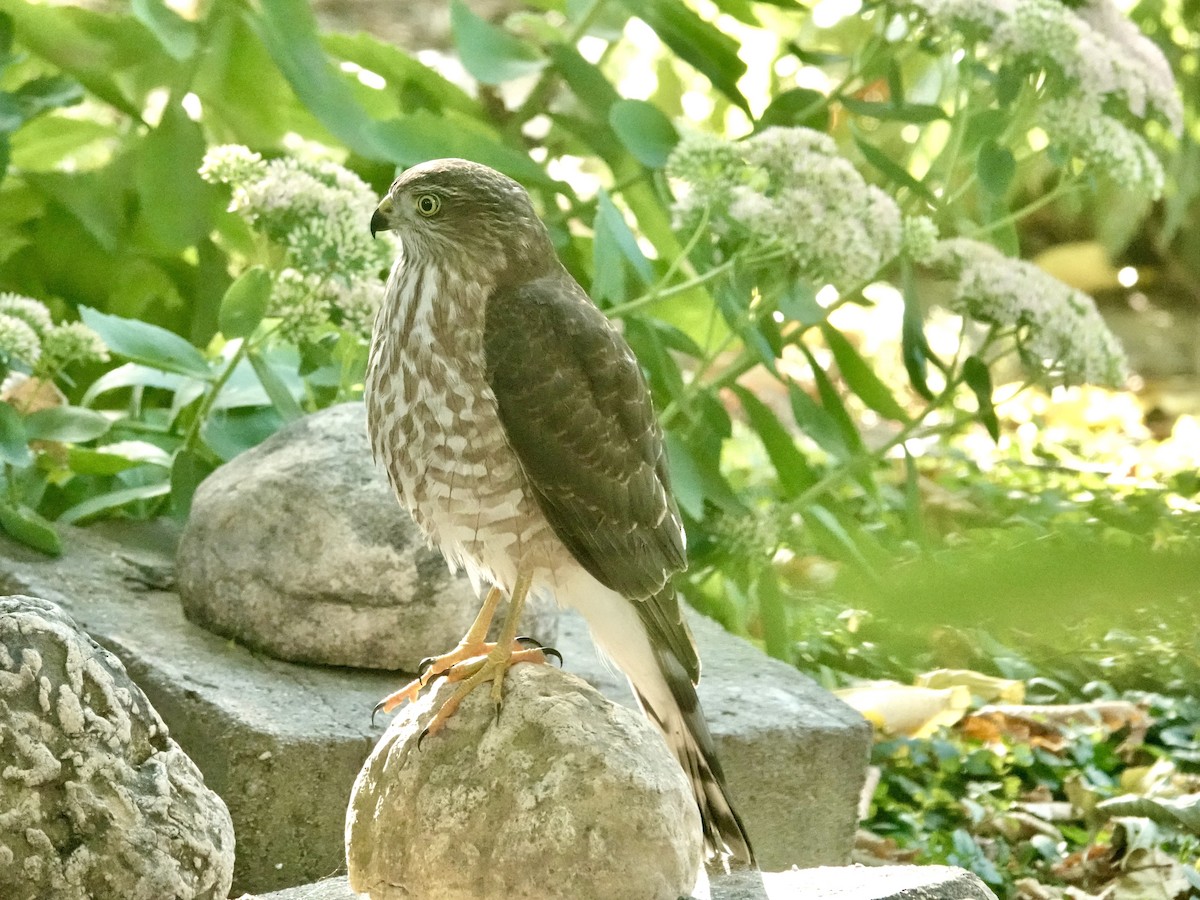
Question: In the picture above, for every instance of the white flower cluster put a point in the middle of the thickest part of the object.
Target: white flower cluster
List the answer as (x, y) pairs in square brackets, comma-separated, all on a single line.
[(28, 334), (1089, 46), (317, 212), (918, 237), (788, 189), (1079, 125), (1060, 333)]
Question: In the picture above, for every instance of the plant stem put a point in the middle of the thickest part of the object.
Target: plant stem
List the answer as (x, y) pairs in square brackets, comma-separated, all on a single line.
[(210, 397)]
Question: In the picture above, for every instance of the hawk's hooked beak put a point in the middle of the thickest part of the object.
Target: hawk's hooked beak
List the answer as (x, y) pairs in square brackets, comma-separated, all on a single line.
[(379, 218)]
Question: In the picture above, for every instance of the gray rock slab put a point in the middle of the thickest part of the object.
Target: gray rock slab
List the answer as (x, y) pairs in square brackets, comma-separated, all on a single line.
[(824, 883), (299, 548), (282, 743)]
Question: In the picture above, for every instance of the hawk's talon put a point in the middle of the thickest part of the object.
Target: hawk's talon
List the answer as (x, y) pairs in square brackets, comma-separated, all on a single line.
[(550, 651), (375, 711), (421, 737), (425, 665)]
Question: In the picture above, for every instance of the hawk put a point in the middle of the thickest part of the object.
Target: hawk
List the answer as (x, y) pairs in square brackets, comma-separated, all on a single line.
[(515, 425)]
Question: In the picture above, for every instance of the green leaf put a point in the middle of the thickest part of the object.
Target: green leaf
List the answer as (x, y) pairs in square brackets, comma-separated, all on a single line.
[(860, 377), (245, 303), (919, 113), (891, 170), (132, 375), (281, 396), (14, 442), (700, 44), (644, 130), (6, 37), (914, 347), (798, 106), (490, 54), (176, 34), (816, 422), (827, 529), (772, 611), (147, 344), (832, 405), (188, 469), (66, 424), (1176, 812), (686, 482), (46, 93), (175, 204), (26, 526), (613, 247), (288, 29), (979, 379), (996, 167), (113, 500), (790, 465), (85, 461)]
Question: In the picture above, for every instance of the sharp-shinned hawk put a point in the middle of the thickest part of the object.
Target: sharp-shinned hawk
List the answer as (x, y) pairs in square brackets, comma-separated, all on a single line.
[(516, 426)]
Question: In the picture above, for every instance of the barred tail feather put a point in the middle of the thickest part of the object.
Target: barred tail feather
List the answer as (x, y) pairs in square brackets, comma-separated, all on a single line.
[(682, 723), (664, 689)]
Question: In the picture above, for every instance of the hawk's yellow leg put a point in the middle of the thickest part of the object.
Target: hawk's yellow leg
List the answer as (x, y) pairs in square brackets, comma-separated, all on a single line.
[(474, 660)]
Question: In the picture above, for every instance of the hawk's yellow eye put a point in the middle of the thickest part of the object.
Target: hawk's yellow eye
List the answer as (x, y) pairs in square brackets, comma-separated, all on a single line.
[(428, 204)]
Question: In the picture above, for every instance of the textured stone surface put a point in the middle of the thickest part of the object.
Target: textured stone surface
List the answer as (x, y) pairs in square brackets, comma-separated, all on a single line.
[(825, 883), (282, 743), (564, 788), (299, 549), (96, 801)]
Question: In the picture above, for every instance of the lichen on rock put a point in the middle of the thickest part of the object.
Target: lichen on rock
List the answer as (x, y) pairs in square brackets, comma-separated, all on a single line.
[(96, 800)]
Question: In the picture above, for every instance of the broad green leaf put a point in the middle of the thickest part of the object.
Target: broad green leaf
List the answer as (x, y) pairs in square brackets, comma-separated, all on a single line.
[(490, 54), (979, 379), (132, 375), (700, 44), (288, 29), (400, 69), (996, 167), (1177, 812), (687, 484), (85, 461), (894, 172), (175, 205), (66, 424), (664, 375), (816, 422), (14, 442), (613, 247), (147, 344), (860, 377), (46, 93), (87, 197), (26, 526), (422, 135), (797, 106), (644, 130), (790, 465), (176, 34), (6, 37), (281, 396), (832, 405), (586, 81), (42, 144), (111, 55), (187, 471), (829, 530), (245, 303), (113, 500)]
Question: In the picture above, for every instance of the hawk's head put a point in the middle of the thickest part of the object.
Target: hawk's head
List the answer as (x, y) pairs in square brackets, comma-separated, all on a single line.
[(459, 213)]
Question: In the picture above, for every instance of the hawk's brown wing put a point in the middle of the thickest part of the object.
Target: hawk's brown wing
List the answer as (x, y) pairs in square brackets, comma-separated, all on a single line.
[(576, 411)]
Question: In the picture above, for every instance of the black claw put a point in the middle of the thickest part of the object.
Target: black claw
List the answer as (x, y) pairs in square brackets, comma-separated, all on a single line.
[(550, 651), (375, 711), (421, 737), (423, 665), (526, 640), (499, 708)]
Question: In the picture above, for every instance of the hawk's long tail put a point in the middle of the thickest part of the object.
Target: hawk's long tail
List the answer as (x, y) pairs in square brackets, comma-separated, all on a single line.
[(664, 688)]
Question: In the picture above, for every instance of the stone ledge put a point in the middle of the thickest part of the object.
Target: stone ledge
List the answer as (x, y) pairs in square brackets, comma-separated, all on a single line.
[(824, 883), (282, 743)]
